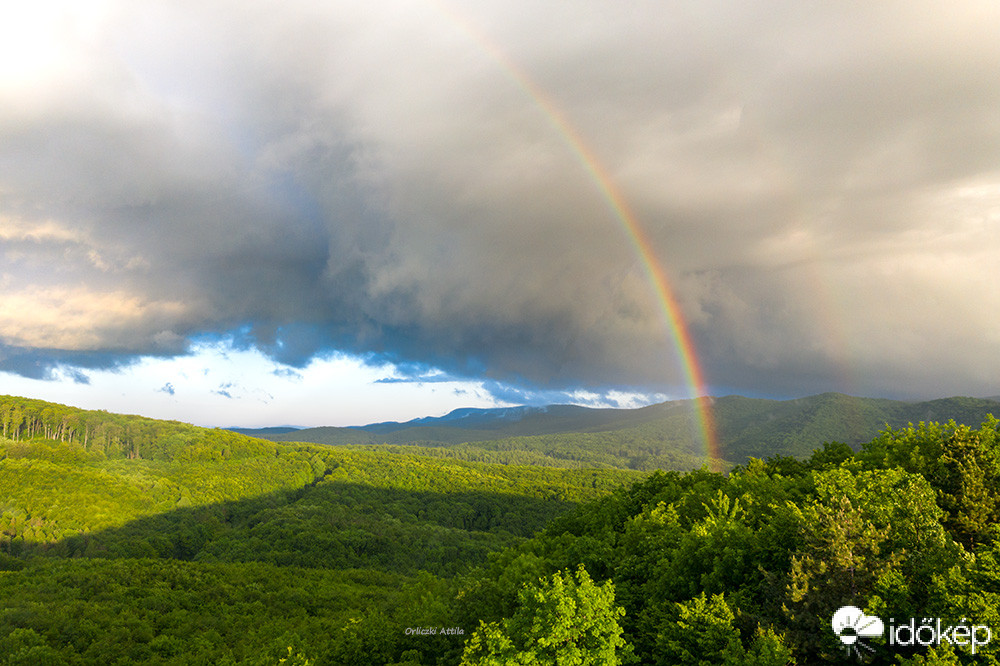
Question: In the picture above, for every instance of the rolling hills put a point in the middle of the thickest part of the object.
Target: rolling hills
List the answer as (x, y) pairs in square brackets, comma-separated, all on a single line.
[(127, 540), (662, 436)]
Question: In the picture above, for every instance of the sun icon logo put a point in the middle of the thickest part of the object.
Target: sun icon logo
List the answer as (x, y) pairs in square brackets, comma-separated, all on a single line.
[(851, 625)]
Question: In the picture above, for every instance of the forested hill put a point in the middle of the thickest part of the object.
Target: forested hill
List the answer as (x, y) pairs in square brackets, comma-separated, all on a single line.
[(100, 433), (662, 436), (131, 541), (128, 540)]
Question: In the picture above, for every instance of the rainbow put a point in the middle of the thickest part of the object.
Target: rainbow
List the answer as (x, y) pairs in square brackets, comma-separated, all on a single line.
[(686, 352)]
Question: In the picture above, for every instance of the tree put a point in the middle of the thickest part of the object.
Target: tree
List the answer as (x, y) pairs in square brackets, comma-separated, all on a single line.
[(563, 620), (871, 538), (27, 647), (702, 632), (962, 464)]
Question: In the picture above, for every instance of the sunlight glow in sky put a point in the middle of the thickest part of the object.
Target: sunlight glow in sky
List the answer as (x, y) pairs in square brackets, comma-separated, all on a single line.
[(373, 200), (219, 386)]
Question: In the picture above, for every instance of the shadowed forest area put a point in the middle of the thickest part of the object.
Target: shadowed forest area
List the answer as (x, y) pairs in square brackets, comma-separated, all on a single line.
[(196, 546)]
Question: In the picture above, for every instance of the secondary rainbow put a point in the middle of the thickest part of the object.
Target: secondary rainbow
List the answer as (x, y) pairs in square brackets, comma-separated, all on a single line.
[(686, 352)]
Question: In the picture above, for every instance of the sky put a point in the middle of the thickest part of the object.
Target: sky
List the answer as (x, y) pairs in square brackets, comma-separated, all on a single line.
[(321, 213)]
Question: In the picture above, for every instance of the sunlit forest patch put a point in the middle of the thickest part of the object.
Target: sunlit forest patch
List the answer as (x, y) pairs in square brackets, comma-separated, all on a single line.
[(219, 548)]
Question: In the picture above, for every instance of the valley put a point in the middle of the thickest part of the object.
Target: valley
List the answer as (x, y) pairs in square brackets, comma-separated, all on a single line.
[(127, 540)]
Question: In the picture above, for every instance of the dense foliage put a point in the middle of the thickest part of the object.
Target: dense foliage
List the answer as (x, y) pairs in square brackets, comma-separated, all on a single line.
[(750, 567), (645, 451), (145, 611), (200, 546)]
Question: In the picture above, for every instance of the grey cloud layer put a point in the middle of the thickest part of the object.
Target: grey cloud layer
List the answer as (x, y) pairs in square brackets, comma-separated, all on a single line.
[(821, 184)]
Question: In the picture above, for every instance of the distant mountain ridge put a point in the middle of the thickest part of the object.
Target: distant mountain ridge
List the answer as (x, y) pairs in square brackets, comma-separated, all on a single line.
[(258, 432), (465, 417), (664, 434)]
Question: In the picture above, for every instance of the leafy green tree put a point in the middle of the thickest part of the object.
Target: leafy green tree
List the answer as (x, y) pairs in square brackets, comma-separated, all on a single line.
[(294, 658), (563, 620), (872, 537), (25, 647), (961, 463), (702, 632), (943, 655), (767, 649)]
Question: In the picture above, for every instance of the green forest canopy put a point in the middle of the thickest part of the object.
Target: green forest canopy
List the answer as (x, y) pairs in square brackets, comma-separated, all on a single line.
[(160, 542)]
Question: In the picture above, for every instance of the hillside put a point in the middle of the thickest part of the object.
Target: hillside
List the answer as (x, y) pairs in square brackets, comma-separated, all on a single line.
[(108, 471), (750, 568), (163, 529), (660, 436), (126, 540)]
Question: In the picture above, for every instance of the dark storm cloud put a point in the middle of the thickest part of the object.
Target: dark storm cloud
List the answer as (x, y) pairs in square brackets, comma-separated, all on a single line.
[(51, 364), (820, 182)]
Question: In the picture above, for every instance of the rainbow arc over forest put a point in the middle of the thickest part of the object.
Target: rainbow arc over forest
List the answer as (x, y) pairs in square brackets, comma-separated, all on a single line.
[(670, 308)]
